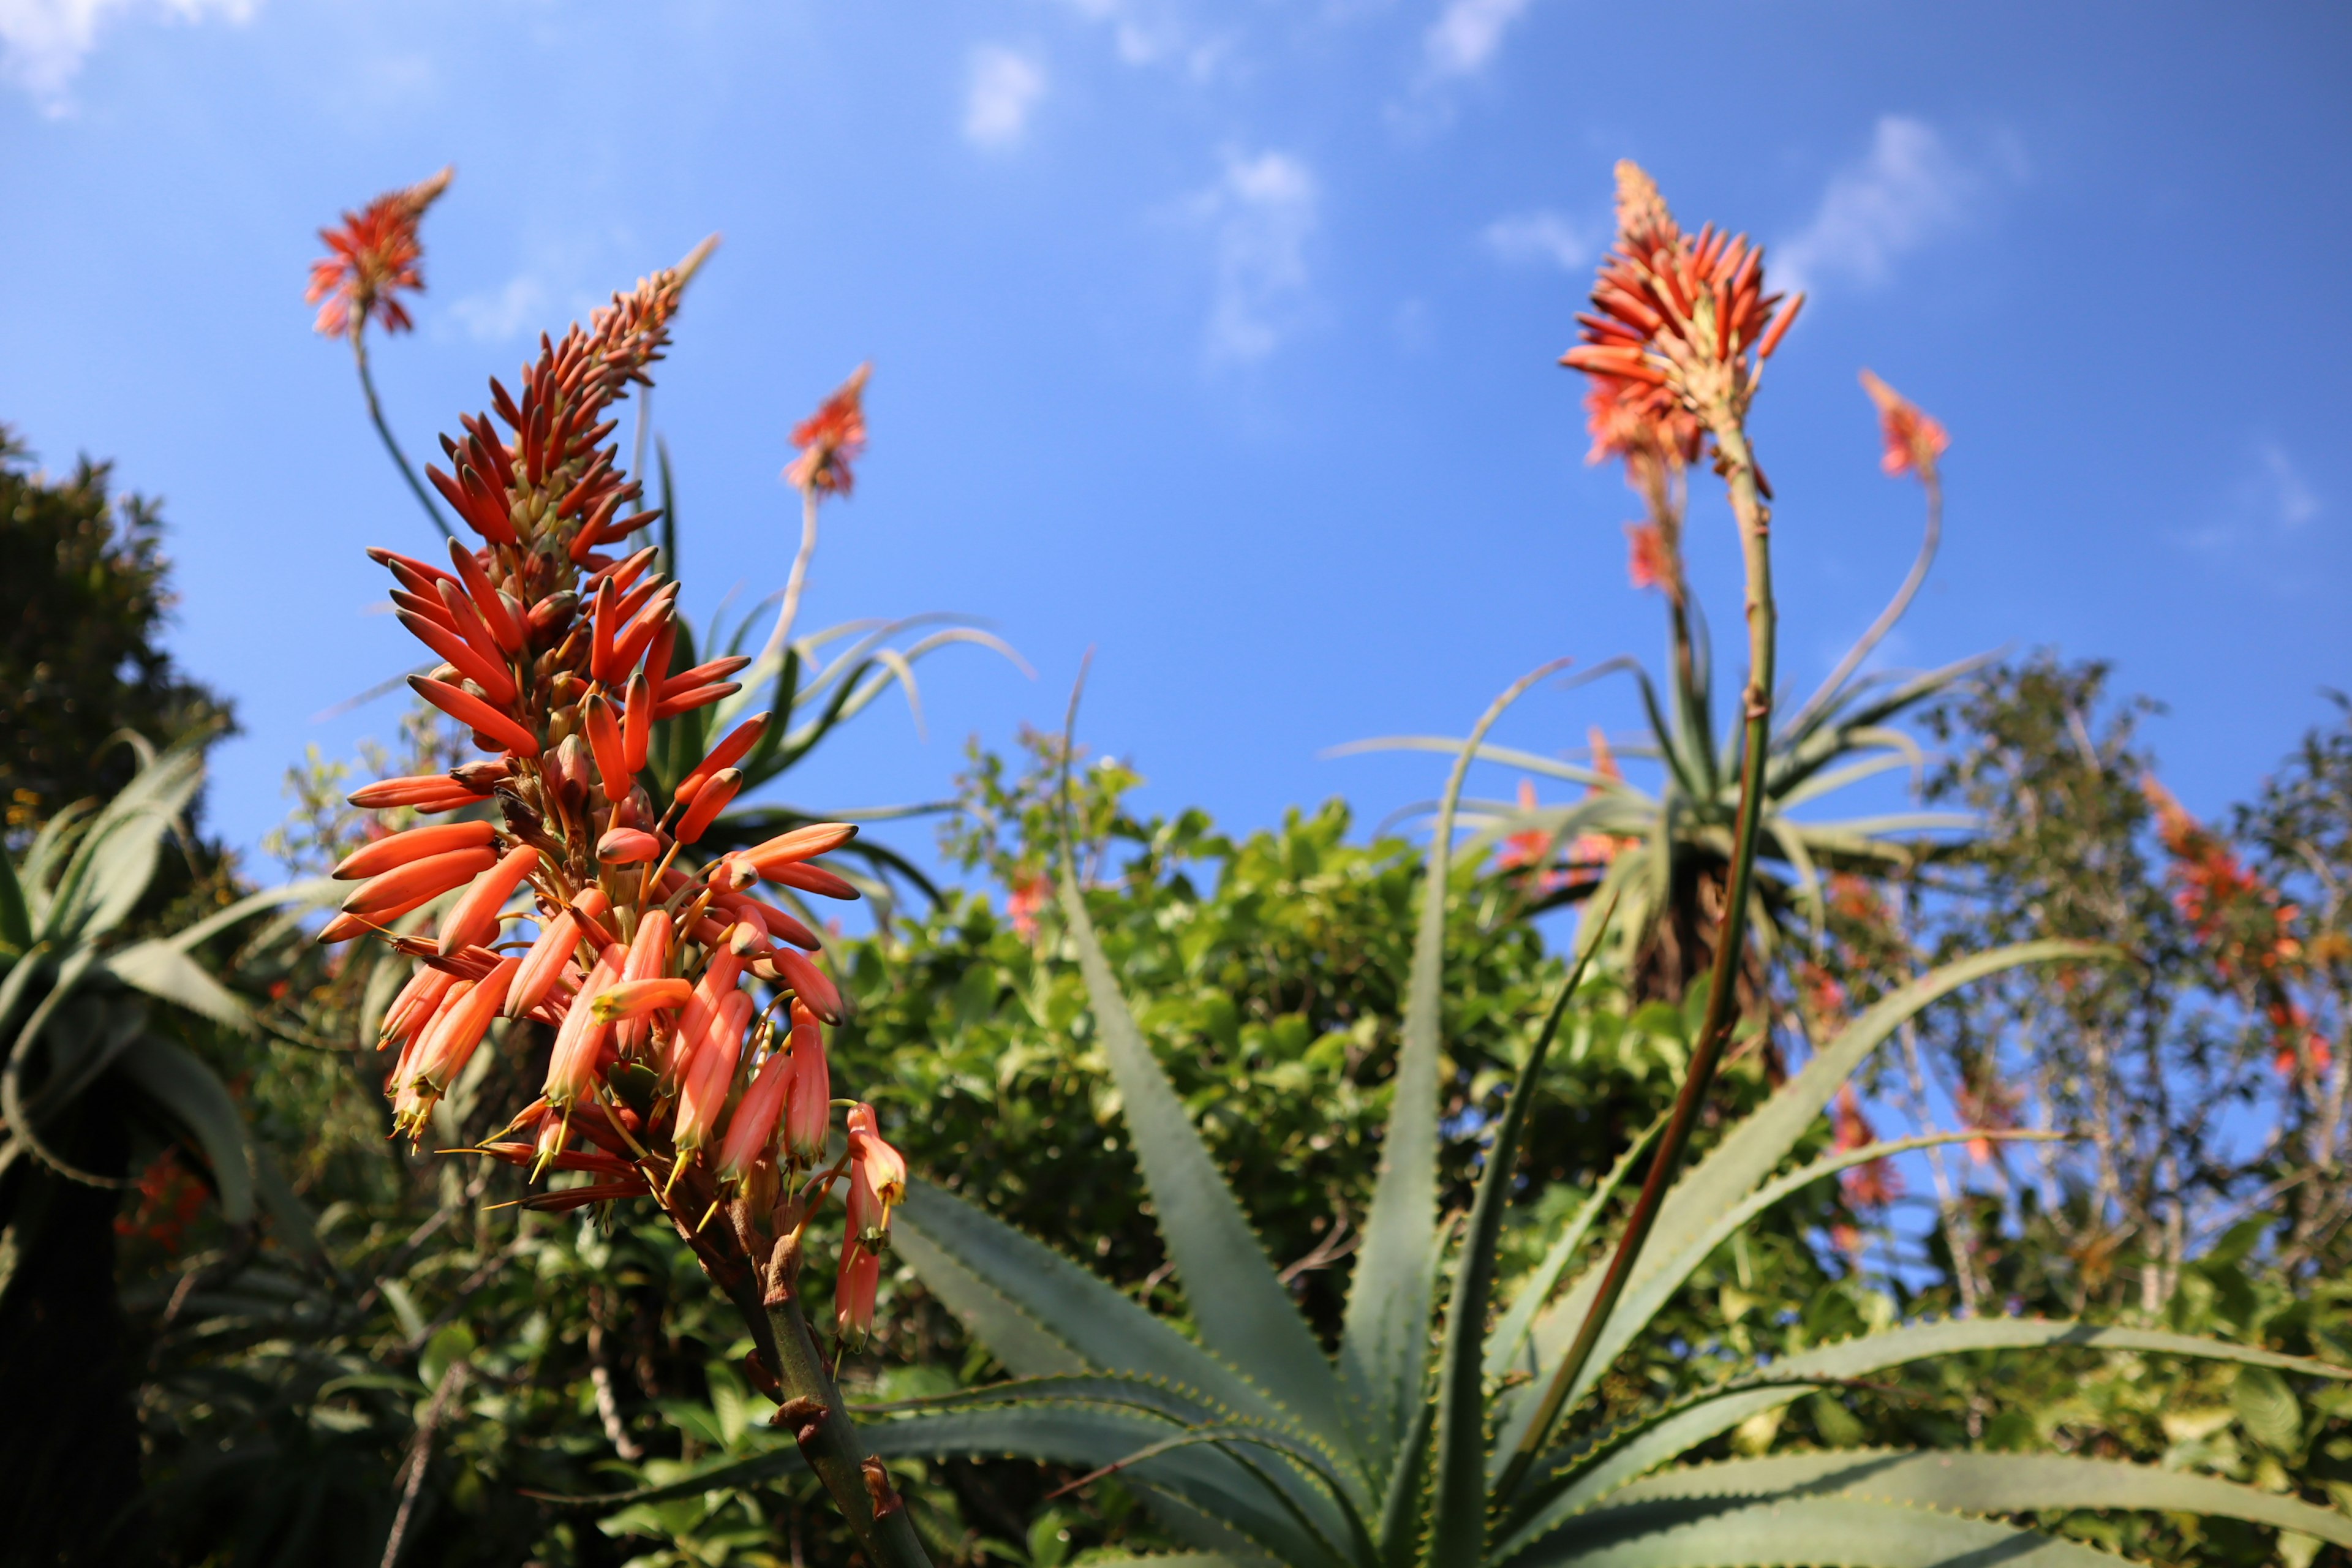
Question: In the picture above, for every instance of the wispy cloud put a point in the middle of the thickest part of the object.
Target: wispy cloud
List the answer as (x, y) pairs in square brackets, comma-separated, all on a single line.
[(2259, 525), (1909, 188), (1263, 211), (43, 43), (496, 318), (1466, 34), (1005, 87), (1158, 33), (1539, 238)]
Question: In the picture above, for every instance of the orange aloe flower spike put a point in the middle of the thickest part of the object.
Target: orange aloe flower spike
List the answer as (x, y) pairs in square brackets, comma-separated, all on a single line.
[(832, 439), (1914, 441), (374, 256)]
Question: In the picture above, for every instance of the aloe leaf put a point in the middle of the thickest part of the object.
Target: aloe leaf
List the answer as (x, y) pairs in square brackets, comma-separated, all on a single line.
[(1642, 1447), (186, 1090), (15, 918), (1992, 1483), (1242, 1307), (1753, 1148), (115, 858), (312, 890), (1208, 1478), (1504, 1345), (1042, 1314), (1502, 756), (1822, 1532), (161, 968), (78, 1055), (1458, 1532), (1678, 1256), (1384, 1346)]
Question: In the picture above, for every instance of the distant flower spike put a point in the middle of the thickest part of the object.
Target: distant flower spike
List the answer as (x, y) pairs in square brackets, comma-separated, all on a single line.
[(1914, 441), (373, 255), (831, 440)]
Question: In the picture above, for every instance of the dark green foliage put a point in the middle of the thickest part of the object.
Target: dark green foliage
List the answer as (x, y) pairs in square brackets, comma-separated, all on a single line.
[(82, 607)]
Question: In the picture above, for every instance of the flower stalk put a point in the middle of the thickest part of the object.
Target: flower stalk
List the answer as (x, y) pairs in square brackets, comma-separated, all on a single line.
[(1680, 315)]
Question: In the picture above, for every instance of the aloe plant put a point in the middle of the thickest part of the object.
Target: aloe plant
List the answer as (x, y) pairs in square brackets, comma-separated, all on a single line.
[(1254, 1448), (94, 1030)]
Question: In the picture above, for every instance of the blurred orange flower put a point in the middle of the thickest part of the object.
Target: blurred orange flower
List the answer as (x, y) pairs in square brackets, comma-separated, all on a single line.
[(831, 440), (1914, 441), (1670, 310), (376, 255)]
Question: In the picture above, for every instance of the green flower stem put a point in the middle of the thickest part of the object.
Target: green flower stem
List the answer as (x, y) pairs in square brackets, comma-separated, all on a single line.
[(830, 1443), (375, 415), (1755, 521)]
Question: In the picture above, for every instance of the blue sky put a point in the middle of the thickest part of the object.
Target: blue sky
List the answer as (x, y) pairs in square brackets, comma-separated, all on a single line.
[(1221, 337)]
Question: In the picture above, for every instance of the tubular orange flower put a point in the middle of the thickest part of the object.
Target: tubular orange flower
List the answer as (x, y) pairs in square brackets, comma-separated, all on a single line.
[(395, 892), (628, 847), (477, 715), (853, 1302), (811, 877), (635, 999), (726, 754), (831, 440), (475, 920), (544, 965), (752, 1128), (709, 802), (373, 255), (877, 1178), (443, 1056), (637, 724), (648, 960), (428, 792), (571, 1063), (400, 848), (1914, 441), (809, 1099), (702, 1094)]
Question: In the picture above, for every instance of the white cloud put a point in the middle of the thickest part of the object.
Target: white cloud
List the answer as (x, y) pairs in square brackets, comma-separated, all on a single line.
[(1265, 210), (1910, 188), (1467, 34), (1154, 32), (1538, 238), (512, 311), (44, 42), (1005, 87), (2258, 518), (2283, 491)]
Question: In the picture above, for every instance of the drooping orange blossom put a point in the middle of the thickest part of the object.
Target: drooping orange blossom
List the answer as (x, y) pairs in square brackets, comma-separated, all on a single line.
[(666, 1079)]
